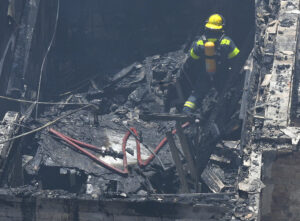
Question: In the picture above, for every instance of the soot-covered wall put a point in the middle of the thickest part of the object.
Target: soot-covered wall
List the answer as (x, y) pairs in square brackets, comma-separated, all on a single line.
[(101, 37), (10, 15), (280, 197)]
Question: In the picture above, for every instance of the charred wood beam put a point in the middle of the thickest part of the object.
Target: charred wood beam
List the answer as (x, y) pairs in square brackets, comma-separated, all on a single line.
[(177, 161), (180, 92), (165, 117), (22, 49), (5, 53), (211, 177), (187, 150), (248, 72), (120, 75), (10, 158)]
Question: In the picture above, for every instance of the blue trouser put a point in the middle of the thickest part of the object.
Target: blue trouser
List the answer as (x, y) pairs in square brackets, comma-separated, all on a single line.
[(203, 85)]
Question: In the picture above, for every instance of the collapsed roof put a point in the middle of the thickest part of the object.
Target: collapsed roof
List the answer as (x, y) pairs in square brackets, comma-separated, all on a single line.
[(100, 109)]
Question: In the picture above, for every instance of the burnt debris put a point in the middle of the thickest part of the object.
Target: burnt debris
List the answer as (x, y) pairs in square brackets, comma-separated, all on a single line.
[(109, 137)]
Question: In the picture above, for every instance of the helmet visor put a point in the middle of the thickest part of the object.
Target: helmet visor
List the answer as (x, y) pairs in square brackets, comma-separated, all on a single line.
[(213, 26)]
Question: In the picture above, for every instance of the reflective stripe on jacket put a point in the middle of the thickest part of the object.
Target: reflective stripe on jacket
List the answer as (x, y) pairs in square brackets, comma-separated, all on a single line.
[(227, 48)]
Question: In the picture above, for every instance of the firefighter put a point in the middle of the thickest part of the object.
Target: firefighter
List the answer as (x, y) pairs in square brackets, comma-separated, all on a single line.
[(212, 54)]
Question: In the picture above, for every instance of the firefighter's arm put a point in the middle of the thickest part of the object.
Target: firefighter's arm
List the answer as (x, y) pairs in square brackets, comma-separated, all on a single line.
[(193, 57), (195, 54), (232, 55), (233, 50)]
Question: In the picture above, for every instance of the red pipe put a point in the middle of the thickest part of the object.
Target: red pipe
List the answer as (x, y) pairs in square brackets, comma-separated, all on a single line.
[(138, 146), (141, 163), (92, 156), (80, 142)]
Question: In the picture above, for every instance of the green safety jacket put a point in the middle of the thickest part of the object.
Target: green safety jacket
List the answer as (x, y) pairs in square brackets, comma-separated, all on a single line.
[(225, 48), (192, 72)]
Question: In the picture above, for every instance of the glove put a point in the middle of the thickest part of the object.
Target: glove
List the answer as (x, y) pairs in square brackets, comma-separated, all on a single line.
[(187, 111)]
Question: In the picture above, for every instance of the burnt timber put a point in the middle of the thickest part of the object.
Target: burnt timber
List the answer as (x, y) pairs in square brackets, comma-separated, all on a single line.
[(250, 176)]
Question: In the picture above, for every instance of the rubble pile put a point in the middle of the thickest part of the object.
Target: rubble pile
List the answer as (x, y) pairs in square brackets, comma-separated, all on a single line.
[(117, 137), (116, 107), (116, 104)]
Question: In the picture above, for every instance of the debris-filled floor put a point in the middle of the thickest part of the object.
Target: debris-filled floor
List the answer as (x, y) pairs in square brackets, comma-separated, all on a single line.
[(92, 123), (131, 92)]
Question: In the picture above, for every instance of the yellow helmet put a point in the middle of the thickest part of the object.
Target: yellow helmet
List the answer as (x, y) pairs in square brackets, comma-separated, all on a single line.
[(215, 21)]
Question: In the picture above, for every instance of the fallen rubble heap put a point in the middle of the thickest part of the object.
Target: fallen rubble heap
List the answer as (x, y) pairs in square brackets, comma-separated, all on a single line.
[(132, 91), (116, 146)]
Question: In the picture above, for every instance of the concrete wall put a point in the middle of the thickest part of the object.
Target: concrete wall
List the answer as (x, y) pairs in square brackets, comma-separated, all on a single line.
[(10, 14), (104, 36), (60, 206), (281, 197)]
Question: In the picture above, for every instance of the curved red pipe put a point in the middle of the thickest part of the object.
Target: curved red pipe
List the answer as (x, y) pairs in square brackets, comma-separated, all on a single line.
[(92, 156), (124, 171)]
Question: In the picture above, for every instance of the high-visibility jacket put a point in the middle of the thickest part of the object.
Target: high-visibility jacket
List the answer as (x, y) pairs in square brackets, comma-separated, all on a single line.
[(225, 50), (225, 46)]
